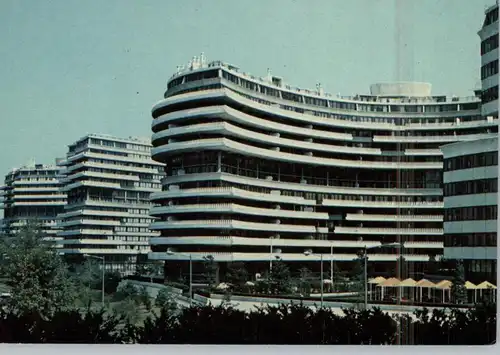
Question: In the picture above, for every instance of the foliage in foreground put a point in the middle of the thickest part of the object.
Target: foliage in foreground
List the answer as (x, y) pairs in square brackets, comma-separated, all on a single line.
[(285, 324), (39, 279)]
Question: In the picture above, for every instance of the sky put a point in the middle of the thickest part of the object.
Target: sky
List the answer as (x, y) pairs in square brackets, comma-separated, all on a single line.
[(72, 67)]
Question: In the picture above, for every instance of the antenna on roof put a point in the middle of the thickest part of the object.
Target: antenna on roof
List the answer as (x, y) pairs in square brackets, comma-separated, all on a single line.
[(320, 89), (31, 163), (269, 75)]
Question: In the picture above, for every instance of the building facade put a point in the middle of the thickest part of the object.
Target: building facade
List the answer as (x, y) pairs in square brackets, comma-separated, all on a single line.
[(258, 170), (32, 193), (471, 206), (108, 181), (489, 62)]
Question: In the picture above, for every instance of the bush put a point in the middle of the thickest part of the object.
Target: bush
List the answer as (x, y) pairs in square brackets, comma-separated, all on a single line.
[(284, 324), (145, 298), (165, 300), (127, 291), (111, 282), (71, 326)]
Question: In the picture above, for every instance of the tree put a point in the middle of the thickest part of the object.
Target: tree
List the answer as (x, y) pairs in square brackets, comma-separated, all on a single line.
[(128, 309), (165, 300), (128, 291), (458, 290), (280, 278), (237, 274), (145, 298), (87, 277), (210, 270), (147, 268), (358, 278), (38, 276), (111, 281), (305, 281), (336, 276)]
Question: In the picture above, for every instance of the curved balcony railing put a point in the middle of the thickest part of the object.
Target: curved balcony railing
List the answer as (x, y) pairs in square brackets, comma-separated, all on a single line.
[(387, 217), (268, 153), (237, 208), (388, 231), (232, 224), (281, 242), (392, 187)]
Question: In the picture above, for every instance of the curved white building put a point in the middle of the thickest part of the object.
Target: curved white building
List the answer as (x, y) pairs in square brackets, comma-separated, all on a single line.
[(470, 202), (108, 181), (258, 169)]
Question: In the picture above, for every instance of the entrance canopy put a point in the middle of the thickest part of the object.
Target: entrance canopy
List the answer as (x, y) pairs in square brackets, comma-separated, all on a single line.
[(408, 283), (485, 285), (377, 280), (391, 282)]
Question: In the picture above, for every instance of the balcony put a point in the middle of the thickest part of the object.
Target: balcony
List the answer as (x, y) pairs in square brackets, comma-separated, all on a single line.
[(236, 209), (232, 224), (392, 217), (383, 204), (389, 231)]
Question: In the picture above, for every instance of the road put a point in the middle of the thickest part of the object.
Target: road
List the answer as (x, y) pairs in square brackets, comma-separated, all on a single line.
[(248, 306)]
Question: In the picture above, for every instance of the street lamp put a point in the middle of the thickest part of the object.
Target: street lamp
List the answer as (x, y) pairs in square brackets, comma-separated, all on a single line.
[(388, 245), (307, 253), (171, 252), (271, 255), (103, 264)]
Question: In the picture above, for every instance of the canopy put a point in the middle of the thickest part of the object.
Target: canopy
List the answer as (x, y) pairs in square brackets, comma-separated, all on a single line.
[(445, 284), (391, 282), (485, 285), (408, 283), (425, 284), (470, 286), (377, 280)]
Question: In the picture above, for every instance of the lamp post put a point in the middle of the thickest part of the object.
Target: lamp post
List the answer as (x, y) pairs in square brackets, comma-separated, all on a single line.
[(103, 264), (307, 253), (365, 256), (331, 266), (170, 252), (271, 253)]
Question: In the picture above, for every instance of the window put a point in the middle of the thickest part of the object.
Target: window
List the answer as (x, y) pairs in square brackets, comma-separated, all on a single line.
[(470, 213), (489, 69), (489, 95), (471, 161), (489, 44)]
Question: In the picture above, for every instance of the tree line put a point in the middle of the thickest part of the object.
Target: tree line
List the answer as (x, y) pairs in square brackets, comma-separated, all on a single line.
[(284, 324), (53, 302)]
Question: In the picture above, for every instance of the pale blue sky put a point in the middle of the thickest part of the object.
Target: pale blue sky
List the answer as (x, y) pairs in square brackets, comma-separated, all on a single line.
[(72, 67)]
